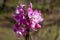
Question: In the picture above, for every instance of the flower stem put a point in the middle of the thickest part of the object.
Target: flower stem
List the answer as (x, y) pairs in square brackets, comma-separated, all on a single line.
[(27, 35)]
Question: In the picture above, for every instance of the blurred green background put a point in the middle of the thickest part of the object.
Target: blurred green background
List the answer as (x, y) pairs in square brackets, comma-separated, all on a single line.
[(50, 26)]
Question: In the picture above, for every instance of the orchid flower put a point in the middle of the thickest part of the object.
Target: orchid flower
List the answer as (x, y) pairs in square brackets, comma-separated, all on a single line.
[(22, 23)]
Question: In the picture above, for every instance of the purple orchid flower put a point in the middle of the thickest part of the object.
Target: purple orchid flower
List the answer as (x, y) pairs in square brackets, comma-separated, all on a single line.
[(31, 20), (34, 17)]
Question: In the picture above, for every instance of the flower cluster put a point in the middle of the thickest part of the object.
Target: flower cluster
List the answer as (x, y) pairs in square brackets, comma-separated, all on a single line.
[(29, 20)]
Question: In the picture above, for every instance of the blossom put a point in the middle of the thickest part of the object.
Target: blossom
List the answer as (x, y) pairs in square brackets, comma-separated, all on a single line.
[(20, 31), (19, 9), (30, 10), (34, 17), (37, 16), (29, 20)]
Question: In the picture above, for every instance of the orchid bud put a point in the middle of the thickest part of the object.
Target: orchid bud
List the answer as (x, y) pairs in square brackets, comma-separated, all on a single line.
[(38, 26)]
